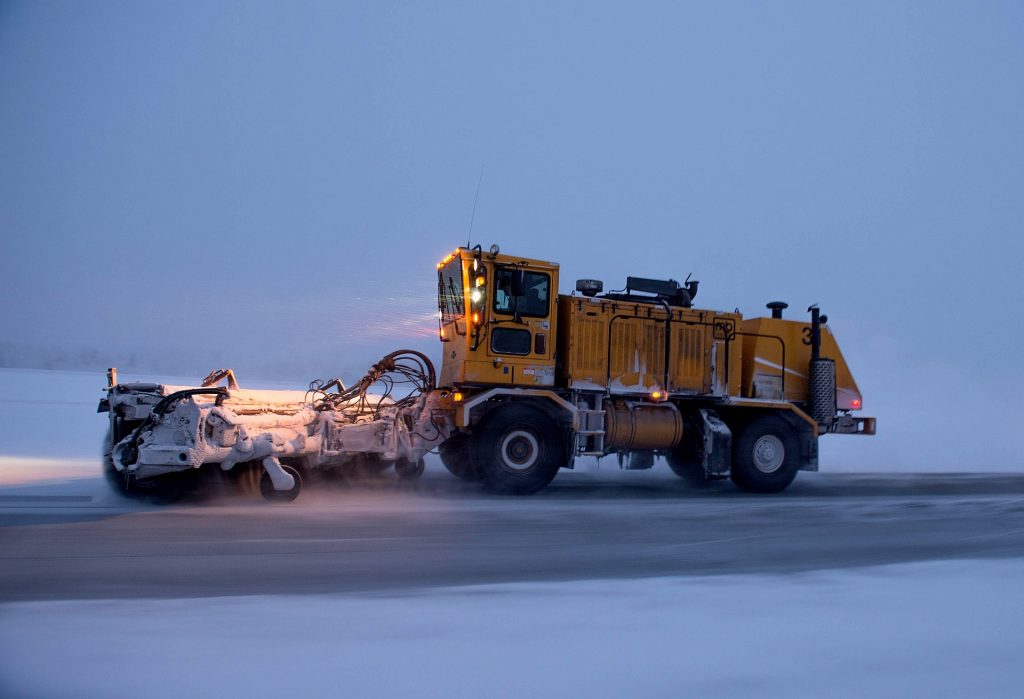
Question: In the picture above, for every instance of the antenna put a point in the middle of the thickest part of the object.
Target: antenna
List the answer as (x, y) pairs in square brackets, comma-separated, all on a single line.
[(472, 217)]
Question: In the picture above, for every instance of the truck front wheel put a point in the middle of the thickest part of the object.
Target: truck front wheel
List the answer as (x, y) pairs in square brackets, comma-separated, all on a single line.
[(516, 450), (766, 456), (456, 457)]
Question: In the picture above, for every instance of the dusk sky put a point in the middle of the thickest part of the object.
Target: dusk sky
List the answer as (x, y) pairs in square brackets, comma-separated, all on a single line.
[(269, 185)]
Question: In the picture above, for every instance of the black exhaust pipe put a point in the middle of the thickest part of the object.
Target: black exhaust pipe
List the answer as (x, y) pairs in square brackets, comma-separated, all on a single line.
[(777, 307), (821, 388), (815, 332)]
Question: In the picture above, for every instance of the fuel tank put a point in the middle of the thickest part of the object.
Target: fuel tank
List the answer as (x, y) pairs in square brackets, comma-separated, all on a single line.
[(641, 425)]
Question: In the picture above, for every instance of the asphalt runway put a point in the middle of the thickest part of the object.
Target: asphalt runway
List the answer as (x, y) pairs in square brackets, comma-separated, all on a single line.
[(78, 541)]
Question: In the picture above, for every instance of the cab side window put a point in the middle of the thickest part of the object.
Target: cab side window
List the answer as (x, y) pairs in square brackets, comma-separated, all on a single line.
[(535, 298)]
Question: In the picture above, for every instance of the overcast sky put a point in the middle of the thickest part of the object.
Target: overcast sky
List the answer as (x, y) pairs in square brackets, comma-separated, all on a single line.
[(269, 185)]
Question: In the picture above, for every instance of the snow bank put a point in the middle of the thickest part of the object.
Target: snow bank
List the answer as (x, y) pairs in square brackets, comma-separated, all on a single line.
[(27, 470), (50, 413), (921, 630)]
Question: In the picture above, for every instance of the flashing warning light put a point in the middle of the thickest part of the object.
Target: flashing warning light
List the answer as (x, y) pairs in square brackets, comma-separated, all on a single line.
[(457, 397), (855, 403), (480, 280), (657, 395)]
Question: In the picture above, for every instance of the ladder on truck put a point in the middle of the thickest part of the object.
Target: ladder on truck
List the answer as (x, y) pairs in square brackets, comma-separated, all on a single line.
[(590, 430)]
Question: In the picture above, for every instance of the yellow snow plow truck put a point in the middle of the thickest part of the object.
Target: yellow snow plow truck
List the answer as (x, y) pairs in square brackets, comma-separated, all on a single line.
[(530, 380)]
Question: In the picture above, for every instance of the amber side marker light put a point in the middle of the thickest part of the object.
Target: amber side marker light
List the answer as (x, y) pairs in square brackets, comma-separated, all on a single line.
[(457, 396)]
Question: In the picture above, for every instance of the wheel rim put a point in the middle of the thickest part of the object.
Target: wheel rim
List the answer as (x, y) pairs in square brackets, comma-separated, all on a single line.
[(769, 453), (519, 451)]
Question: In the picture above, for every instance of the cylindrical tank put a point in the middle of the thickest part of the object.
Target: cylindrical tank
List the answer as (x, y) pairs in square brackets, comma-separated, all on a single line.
[(637, 425), (822, 391)]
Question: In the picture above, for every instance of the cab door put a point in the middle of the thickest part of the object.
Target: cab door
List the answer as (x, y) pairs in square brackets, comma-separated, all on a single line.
[(521, 330)]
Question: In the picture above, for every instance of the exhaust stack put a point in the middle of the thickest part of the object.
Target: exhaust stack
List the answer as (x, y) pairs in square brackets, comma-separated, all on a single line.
[(777, 307), (821, 387)]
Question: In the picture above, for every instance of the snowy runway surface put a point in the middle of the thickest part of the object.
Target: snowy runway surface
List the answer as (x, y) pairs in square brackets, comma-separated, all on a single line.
[(914, 630), (73, 539), (606, 584)]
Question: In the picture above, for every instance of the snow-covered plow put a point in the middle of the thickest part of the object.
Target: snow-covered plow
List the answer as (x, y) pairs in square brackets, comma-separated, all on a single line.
[(161, 436)]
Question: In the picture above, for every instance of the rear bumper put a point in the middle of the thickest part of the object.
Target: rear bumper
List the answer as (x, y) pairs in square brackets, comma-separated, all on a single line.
[(847, 424)]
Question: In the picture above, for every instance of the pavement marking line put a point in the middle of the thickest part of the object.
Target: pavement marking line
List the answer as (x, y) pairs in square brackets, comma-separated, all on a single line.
[(992, 535), (30, 401), (720, 541), (301, 540), (46, 498)]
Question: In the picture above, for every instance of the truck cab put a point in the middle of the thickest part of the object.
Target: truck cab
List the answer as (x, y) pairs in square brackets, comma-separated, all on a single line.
[(496, 319)]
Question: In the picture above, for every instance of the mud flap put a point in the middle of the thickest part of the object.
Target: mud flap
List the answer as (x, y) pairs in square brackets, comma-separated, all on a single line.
[(717, 451), (810, 460)]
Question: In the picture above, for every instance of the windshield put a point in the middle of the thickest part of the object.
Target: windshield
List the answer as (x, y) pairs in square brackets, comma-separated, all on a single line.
[(450, 300)]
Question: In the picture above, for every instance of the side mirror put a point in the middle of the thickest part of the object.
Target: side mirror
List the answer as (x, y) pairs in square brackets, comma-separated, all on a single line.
[(518, 282)]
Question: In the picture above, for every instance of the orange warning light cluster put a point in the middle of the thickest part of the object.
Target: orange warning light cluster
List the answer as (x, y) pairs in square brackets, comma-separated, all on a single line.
[(447, 259)]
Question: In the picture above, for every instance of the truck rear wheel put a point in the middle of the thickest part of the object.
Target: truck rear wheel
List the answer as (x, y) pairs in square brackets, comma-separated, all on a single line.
[(686, 460), (689, 469), (766, 456), (516, 450), (456, 457)]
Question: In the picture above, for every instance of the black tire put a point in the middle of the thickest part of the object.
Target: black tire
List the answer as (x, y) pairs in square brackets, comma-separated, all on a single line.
[(166, 489), (766, 456), (114, 478), (516, 450), (271, 495), (686, 459), (689, 469), (366, 467), (456, 457), (409, 470)]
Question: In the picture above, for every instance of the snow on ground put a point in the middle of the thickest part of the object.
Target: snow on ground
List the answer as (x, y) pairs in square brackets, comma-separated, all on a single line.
[(947, 628), (20, 470), (50, 413), (917, 630)]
